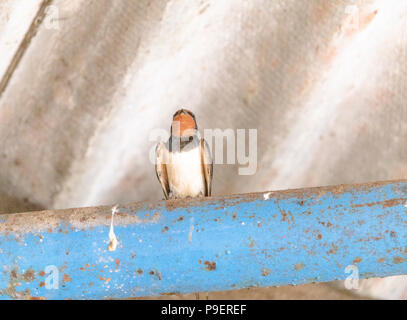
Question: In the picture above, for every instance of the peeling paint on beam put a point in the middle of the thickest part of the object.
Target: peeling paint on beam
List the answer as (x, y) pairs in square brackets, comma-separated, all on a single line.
[(261, 239)]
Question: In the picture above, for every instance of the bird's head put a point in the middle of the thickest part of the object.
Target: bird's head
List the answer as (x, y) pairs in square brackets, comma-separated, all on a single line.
[(183, 124)]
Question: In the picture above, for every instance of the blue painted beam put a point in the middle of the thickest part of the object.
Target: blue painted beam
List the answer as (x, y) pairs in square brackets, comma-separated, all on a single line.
[(261, 239)]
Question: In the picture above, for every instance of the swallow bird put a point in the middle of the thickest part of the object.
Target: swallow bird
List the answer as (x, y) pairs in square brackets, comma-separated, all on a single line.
[(184, 164)]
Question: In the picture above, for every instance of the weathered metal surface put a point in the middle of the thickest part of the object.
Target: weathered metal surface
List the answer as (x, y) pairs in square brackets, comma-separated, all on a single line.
[(261, 239)]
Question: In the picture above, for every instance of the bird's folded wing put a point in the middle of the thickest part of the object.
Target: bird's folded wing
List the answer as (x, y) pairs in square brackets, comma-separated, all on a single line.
[(207, 166), (161, 167)]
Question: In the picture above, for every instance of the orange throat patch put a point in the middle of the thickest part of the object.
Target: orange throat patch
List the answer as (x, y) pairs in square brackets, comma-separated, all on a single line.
[(183, 125)]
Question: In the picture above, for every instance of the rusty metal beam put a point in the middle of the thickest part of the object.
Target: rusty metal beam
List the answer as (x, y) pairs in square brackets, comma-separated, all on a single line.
[(261, 239)]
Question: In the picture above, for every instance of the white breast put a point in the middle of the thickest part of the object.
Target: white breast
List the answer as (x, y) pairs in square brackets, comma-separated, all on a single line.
[(185, 175)]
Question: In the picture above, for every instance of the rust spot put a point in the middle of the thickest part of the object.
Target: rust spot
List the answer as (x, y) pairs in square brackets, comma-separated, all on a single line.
[(299, 266), (291, 216), (66, 278), (284, 216), (167, 293), (251, 243), (117, 263), (28, 275), (164, 229), (393, 234), (398, 260), (174, 204), (102, 278), (139, 271), (319, 237), (42, 273), (210, 266), (333, 250), (380, 260), (301, 202), (35, 298), (357, 260), (384, 204), (180, 218), (265, 272), (42, 283), (156, 274)]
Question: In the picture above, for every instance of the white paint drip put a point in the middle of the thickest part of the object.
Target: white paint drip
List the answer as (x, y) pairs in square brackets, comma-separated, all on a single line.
[(267, 195), (191, 229), (112, 237)]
